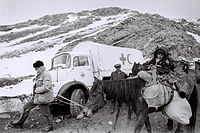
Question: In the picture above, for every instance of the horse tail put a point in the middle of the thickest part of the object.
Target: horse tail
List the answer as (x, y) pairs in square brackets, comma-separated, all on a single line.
[(193, 101)]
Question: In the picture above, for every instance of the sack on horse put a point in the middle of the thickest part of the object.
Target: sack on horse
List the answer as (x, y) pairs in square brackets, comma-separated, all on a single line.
[(179, 109), (164, 93), (157, 95)]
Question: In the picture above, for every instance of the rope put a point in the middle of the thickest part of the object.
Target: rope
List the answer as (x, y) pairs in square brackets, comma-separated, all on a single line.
[(68, 100), (71, 102)]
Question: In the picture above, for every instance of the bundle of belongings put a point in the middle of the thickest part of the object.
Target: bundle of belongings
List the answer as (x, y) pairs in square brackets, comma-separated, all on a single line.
[(162, 95)]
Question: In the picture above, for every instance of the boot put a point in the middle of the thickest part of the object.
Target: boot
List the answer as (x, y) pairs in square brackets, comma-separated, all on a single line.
[(49, 121), (15, 124), (19, 123)]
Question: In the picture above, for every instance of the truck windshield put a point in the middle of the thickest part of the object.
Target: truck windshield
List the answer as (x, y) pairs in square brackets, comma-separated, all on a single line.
[(62, 60)]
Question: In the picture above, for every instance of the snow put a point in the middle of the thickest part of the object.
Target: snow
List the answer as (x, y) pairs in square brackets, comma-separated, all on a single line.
[(197, 37), (72, 18), (25, 87), (18, 30), (17, 67), (6, 47), (23, 66)]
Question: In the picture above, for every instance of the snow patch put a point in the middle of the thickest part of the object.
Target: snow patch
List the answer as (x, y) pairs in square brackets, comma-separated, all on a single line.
[(25, 87), (22, 66), (197, 37)]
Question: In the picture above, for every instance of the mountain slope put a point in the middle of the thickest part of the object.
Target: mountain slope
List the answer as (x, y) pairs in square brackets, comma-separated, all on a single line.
[(111, 26)]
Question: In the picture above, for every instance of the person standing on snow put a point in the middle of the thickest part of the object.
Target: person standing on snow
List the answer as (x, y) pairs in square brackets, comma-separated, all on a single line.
[(42, 96)]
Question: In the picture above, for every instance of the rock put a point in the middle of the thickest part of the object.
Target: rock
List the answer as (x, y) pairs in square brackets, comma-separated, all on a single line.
[(5, 116), (58, 120), (10, 105), (31, 126), (80, 116), (7, 127), (110, 122)]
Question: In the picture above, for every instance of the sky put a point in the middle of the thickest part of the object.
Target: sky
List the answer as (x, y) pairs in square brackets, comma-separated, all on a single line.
[(14, 11)]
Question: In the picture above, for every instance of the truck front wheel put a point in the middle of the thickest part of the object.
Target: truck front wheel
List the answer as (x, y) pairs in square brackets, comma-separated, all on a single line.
[(79, 97)]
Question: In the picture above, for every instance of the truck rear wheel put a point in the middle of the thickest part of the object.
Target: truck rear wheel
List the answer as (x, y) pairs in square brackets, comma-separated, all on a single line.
[(79, 97)]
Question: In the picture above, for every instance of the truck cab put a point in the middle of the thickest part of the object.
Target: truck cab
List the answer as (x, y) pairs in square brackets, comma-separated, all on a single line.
[(72, 76)]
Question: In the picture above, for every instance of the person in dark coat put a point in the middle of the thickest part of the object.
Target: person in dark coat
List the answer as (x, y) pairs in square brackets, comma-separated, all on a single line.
[(42, 96), (118, 74), (161, 64), (163, 60)]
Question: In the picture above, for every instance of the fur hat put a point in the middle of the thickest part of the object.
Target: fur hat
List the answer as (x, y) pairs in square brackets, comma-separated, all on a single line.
[(38, 64), (117, 65)]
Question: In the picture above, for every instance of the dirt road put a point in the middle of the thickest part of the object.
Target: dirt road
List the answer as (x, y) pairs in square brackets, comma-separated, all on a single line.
[(101, 122)]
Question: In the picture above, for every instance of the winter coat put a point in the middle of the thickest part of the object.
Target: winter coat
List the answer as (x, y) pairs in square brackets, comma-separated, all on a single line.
[(43, 90), (166, 64), (117, 75)]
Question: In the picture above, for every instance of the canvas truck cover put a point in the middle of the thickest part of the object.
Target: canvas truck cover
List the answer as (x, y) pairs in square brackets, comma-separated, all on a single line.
[(104, 57)]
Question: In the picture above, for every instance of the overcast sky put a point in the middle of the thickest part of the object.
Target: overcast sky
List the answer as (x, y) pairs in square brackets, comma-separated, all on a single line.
[(13, 11)]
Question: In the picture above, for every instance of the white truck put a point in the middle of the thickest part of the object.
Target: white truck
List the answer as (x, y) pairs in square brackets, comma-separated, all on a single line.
[(73, 72)]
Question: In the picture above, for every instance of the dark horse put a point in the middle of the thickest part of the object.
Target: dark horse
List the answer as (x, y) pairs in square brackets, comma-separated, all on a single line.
[(126, 91), (186, 85), (129, 92)]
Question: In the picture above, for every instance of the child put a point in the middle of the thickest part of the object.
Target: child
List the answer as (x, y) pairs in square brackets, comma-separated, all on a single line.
[(162, 63)]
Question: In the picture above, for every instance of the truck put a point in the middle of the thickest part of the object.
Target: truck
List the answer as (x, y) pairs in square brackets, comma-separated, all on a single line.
[(74, 72)]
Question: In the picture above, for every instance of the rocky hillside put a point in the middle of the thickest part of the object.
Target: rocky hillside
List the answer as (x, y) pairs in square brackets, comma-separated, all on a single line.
[(111, 26)]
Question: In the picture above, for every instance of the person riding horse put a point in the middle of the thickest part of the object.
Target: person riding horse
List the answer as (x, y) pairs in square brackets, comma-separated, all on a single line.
[(163, 61), (161, 67)]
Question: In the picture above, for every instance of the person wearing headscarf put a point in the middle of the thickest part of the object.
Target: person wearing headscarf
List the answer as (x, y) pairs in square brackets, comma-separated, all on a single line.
[(163, 61)]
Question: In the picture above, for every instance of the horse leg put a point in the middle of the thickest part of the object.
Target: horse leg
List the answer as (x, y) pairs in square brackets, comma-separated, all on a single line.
[(178, 129), (141, 110), (140, 122), (193, 101), (170, 124), (129, 112), (113, 104), (147, 124), (116, 118)]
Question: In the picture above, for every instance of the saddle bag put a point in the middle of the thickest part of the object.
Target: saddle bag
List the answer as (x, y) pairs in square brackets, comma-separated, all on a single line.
[(178, 109), (157, 95)]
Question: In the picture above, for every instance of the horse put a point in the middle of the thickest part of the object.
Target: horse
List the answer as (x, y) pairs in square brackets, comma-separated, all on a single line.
[(126, 91), (129, 91), (187, 89)]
